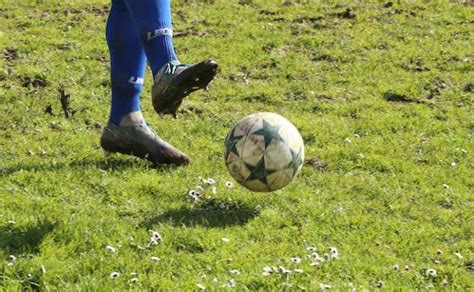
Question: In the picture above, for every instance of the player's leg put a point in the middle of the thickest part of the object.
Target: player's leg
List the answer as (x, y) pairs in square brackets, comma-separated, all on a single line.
[(126, 131), (173, 80), (127, 65)]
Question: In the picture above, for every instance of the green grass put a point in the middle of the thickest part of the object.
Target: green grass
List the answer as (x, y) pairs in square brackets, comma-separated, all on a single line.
[(383, 101)]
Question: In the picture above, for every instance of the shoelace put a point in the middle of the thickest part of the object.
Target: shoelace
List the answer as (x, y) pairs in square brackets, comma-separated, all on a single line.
[(171, 69)]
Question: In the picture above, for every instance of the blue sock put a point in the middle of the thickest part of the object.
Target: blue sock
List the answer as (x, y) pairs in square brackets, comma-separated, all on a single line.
[(153, 21), (128, 61)]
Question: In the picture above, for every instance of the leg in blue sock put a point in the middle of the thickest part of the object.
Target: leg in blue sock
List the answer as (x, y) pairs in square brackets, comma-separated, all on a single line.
[(126, 131), (128, 62), (173, 80), (153, 21)]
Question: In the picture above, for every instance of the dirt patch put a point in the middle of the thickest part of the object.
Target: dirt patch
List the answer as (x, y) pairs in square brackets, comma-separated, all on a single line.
[(469, 87), (347, 14), (415, 66), (401, 98), (36, 82), (315, 163), (10, 54)]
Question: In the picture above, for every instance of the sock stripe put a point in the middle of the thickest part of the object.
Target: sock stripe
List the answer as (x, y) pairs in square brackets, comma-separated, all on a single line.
[(159, 32)]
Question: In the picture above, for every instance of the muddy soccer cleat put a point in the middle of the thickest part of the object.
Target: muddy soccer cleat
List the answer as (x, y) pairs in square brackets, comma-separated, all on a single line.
[(141, 141), (175, 81)]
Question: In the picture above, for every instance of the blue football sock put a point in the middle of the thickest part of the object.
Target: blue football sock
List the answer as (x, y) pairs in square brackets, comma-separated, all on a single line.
[(128, 61), (153, 21)]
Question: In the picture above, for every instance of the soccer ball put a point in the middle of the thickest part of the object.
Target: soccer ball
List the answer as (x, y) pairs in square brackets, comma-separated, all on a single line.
[(264, 152)]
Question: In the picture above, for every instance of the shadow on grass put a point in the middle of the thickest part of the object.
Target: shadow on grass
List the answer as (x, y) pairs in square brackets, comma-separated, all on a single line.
[(27, 239), (109, 163), (211, 214)]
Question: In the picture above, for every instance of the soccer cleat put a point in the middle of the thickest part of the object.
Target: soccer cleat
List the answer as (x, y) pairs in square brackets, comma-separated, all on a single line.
[(140, 141), (175, 81)]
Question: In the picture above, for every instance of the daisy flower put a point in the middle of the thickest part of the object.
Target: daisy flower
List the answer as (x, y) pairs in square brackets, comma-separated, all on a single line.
[(110, 248), (295, 260), (155, 259)]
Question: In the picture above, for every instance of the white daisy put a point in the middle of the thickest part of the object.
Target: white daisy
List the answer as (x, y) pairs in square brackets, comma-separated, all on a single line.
[(199, 189), (295, 260), (229, 184), (235, 272), (194, 199), (110, 248), (114, 275), (201, 286), (11, 222), (379, 284), (446, 186), (155, 259), (458, 255), (155, 237), (266, 274), (431, 272), (396, 267), (210, 182), (315, 256), (311, 249), (12, 258), (326, 257), (267, 269), (333, 250), (231, 283), (284, 270), (192, 193), (134, 280), (299, 271), (315, 264), (324, 286)]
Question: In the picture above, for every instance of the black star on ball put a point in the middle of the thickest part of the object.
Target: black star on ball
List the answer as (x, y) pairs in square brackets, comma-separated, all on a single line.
[(259, 172), (296, 160), (269, 132), (230, 144)]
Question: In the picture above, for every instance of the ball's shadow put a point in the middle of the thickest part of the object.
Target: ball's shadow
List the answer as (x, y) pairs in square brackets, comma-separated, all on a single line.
[(210, 214)]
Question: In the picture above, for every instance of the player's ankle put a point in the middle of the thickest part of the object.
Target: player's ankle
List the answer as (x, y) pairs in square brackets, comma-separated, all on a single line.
[(132, 119)]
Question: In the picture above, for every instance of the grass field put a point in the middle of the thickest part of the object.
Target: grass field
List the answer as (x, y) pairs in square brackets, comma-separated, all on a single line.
[(382, 93)]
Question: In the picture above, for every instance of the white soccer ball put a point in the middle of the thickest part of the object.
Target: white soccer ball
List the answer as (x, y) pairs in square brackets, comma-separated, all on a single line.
[(264, 152)]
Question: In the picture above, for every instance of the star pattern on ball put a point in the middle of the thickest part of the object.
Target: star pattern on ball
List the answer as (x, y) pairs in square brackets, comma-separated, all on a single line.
[(231, 142), (269, 132), (259, 171), (296, 160)]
